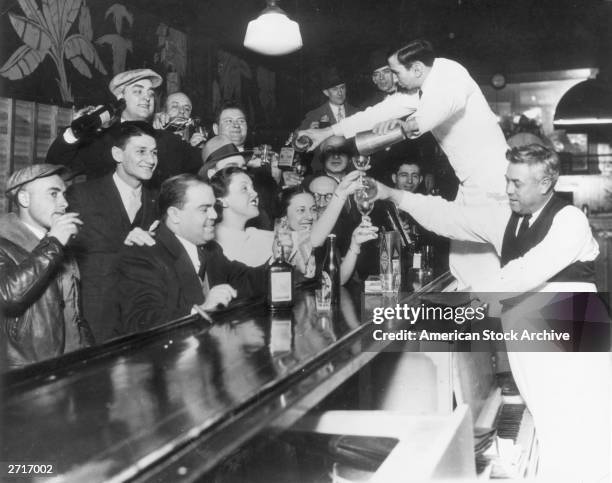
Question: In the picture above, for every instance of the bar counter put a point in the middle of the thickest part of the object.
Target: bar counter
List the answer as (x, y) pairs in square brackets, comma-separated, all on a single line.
[(171, 403)]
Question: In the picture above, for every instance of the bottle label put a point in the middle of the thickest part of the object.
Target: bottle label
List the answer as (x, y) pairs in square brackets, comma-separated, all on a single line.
[(286, 157), (416, 260), (280, 285), (105, 117)]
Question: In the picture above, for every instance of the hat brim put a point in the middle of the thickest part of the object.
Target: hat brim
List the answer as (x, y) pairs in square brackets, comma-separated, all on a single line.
[(59, 169), (211, 163)]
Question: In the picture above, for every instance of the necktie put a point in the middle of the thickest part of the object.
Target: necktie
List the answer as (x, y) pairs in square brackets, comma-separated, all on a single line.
[(133, 205), (202, 271), (524, 225), (340, 113), (202, 257)]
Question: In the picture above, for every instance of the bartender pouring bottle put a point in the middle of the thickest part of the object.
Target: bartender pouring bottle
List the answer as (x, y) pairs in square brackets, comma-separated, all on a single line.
[(440, 96)]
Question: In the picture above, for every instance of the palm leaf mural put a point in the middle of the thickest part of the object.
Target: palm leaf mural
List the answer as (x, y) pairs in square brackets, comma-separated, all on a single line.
[(31, 32), (21, 64), (85, 22), (46, 32), (31, 11), (79, 48)]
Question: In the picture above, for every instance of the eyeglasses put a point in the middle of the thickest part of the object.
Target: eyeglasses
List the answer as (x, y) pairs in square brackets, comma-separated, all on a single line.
[(379, 74), (322, 196), (231, 122)]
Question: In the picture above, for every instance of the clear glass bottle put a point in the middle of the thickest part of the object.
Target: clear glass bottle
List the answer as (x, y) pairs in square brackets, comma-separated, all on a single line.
[(330, 272)]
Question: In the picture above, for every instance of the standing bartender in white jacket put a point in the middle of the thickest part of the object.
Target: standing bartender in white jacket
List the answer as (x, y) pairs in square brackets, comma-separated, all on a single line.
[(450, 104)]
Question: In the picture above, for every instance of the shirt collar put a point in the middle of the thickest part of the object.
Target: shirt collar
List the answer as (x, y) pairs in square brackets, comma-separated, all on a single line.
[(335, 108), (192, 252), (535, 214), (38, 233), (125, 188), (425, 81)]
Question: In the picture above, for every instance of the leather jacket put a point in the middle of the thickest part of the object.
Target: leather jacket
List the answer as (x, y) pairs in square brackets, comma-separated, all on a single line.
[(33, 307)]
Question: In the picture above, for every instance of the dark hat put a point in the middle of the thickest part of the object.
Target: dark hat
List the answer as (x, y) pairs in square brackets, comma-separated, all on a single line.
[(25, 175), (331, 78), (378, 59), (216, 149), (336, 145), (124, 79)]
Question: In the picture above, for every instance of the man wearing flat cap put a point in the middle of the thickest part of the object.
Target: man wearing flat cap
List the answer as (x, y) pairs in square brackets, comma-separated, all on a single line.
[(39, 280), (93, 157), (335, 109)]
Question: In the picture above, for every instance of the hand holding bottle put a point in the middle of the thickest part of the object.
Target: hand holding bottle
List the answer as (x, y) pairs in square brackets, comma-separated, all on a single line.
[(316, 135)]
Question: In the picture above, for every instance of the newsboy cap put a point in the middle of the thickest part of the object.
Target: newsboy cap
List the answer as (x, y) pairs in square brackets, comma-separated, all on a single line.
[(124, 79), (28, 174)]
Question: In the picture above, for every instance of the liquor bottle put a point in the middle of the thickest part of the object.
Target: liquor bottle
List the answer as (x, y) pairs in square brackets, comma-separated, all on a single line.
[(280, 283), (324, 121), (330, 272), (90, 123), (302, 143)]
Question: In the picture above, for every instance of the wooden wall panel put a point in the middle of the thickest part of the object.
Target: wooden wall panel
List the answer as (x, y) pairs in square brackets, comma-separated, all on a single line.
[(27, 129)]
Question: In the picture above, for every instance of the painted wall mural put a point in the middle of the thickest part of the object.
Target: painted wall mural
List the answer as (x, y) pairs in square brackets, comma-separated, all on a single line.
[(46, 32), (66, 51)]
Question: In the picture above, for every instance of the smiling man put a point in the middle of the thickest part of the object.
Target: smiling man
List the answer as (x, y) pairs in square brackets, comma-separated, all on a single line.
[(185, 271), (93, 157), (116, 209), (39, 289), (335, 109), (545, 245)]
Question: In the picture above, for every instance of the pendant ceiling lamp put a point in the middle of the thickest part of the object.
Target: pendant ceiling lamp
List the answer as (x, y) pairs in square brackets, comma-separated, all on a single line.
[(587, 103), (273, 33)]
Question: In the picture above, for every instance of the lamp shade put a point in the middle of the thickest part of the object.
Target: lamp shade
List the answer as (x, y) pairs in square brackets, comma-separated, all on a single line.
[(273, 33), (587, 103)]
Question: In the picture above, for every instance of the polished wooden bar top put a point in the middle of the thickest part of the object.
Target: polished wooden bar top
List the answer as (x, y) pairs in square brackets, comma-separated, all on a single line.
[(174, 401)]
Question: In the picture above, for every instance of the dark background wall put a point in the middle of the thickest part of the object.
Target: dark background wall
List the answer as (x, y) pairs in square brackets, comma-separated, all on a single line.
[(487, 36)]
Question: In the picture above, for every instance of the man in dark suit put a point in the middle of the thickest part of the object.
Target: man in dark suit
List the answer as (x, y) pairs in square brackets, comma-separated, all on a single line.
[(335, 109), (382, 77), (116, 210), (185, 271)]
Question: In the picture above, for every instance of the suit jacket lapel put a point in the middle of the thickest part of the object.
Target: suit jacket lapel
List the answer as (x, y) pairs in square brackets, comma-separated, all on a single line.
[(115, 205), (330, 113), (190, 284), (147, 209)]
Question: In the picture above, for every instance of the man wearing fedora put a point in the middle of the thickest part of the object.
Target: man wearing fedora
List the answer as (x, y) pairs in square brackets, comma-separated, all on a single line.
[(218, 153), (382, 77), (92, 156), (335, 109), (39, 279)]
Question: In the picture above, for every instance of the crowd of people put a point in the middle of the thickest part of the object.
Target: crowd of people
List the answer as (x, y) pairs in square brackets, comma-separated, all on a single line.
[(165, 227)]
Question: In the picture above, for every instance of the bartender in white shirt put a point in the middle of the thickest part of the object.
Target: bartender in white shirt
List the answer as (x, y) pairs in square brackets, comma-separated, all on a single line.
[(450, 104), (545, 245)]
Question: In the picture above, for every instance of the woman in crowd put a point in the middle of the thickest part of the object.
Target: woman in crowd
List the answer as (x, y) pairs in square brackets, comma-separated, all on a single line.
[(238, 204), (299, 210)]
